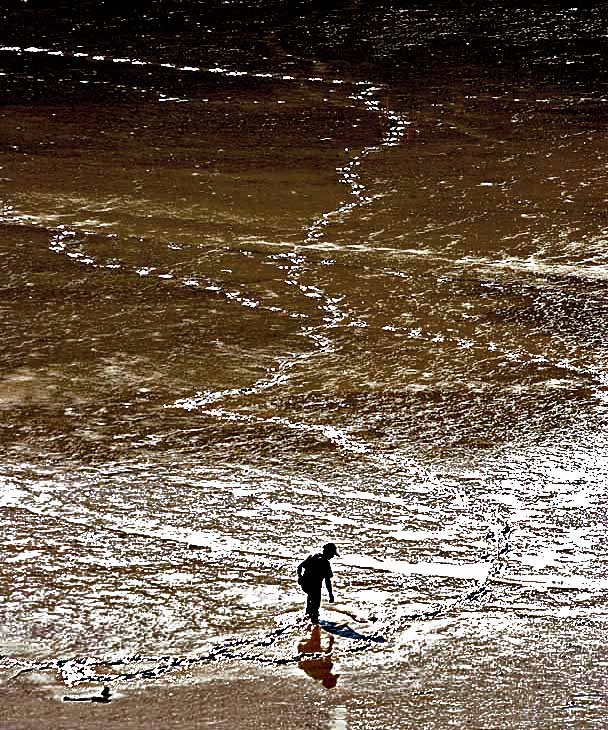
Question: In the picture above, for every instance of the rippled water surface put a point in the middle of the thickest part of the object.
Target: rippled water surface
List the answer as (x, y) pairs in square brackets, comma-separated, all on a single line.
[(283, 273)]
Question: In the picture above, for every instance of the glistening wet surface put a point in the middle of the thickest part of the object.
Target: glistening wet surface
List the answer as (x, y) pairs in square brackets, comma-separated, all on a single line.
[(273, 276)]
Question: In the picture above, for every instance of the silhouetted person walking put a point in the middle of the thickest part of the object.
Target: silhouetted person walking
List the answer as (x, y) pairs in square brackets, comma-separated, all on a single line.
[(311, 574)]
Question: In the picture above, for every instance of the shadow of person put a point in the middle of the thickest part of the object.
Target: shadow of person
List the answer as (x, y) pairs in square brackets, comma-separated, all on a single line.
[(104, 696), (344, 630), (318, 668)]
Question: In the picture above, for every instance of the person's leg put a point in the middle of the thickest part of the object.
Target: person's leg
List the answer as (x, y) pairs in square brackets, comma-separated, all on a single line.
[(313, 602), (308, 603)]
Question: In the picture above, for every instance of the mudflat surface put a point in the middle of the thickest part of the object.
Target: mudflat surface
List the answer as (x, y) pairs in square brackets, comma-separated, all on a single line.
[(276, 274)]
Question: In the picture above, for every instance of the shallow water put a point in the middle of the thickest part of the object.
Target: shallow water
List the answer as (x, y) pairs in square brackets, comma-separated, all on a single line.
[(277, 276)]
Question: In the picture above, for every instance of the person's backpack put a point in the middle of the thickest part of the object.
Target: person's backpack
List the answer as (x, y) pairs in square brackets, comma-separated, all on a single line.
[(302, 582)]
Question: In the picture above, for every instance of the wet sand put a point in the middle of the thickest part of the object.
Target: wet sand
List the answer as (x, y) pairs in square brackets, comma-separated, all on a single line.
[(261, 700), (276, 274), (473, 682)]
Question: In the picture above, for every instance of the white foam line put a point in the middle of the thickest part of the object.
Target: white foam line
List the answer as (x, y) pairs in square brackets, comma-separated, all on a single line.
[(553, 582), (339, 437), (349, 174), (281, 373), (463, 571), (63, 237), (279, 376), (225, 71), (593, 272), (307, 485)]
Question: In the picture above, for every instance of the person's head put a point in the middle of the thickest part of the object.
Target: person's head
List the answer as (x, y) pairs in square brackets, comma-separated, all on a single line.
[(329, 550)]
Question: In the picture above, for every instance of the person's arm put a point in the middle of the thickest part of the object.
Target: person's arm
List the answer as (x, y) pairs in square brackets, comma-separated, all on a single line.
[(329, 589), (301, 568)]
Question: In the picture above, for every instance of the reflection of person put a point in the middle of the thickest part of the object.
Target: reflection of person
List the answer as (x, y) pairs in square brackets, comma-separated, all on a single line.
[(104, 696), (320, 667), (311, 574)]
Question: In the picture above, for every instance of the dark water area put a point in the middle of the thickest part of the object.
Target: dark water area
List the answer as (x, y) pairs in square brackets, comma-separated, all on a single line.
[(273, 274)]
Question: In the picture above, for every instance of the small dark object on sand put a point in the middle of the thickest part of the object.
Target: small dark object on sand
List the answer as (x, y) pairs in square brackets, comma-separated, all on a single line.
[(104, 696)]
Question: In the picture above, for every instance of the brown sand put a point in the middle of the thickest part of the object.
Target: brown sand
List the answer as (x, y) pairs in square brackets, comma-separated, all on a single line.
[(261, 698)]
